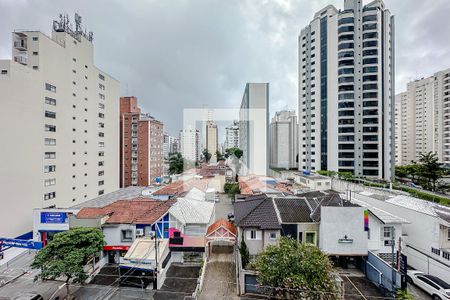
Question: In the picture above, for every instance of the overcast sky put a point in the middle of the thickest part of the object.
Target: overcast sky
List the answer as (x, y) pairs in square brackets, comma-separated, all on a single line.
[(185, 54)]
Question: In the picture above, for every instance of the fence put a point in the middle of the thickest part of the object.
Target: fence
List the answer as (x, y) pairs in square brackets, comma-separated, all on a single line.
[(201, 279), (379, 272)]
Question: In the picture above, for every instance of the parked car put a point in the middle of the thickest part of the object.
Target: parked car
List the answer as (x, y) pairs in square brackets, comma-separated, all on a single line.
[(437, 288)]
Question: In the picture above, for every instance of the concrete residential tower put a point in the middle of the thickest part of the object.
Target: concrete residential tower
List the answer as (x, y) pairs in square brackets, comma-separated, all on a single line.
[(421, 119), (212, 144), (232, 136), (283, 140), (189, 144), (141, 145), (346, 90), (253, 128), (60, 115)]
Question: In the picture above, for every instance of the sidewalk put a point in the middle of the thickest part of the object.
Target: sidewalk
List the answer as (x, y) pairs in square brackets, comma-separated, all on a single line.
[(10, 254)]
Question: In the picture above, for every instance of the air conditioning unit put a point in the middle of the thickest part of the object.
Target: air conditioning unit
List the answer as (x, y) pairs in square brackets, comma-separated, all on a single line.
[(139, 232), (389, 242)]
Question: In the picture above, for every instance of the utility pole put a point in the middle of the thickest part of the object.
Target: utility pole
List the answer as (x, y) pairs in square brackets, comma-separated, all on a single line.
[(392, 265), (155, 270)]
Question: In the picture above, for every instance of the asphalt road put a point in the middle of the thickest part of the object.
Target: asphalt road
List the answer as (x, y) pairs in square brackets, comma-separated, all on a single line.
[(417, 293), (223, 207)]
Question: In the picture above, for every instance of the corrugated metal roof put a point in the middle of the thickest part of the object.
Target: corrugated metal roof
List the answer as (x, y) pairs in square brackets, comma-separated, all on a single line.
[(190, 211)]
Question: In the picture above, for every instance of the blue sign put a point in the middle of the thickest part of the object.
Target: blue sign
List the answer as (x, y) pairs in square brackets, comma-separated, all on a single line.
[(158, 179), (28, 244), (53, 217)]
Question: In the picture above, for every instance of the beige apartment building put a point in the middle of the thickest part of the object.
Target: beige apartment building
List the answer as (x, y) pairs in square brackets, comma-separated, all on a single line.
[(422, 119), (60, 116), (212, 144)]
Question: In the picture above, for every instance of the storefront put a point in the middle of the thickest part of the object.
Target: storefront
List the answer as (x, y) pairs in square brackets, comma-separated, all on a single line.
[(116, 253), (48, 222)]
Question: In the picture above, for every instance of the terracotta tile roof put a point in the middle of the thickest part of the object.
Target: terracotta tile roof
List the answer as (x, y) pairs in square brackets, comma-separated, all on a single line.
[(221, 223), (259, 184), (181, 186), (136, 211)]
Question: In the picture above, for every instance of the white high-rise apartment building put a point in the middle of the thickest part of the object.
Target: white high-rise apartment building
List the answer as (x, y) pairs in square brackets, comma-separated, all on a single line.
[(253, 128), (346, 90), (189, 144), (284, 140), (170, 145), (60, 125), (212, 140), (232, 136), (422, 119)]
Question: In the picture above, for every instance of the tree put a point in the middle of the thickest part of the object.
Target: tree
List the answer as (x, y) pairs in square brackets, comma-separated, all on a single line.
[(206, 155), (176, 164), (233, 151), (219, 155), (296, 271), (245, 254), (231, 189), (67, 255), (430, 171), (401, 171)]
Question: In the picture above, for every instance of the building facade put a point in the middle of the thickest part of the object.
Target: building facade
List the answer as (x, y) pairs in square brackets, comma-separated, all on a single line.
[(421, 119), (141, 145), (232, 136), (346, 90), (189, 144), (284, 140), (170, 146), (253, 128), (212, 143), (65, 149)]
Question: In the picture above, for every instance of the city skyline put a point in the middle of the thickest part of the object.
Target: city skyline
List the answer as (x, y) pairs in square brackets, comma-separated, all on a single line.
[(213, 51)]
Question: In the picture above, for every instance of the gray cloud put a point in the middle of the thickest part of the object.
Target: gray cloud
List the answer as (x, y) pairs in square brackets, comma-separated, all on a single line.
[(184, 54)]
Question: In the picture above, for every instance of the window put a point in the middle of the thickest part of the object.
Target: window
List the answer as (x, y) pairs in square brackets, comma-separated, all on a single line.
[(101, 86), (370, 52), (49, 182), (101, 105), (4, 72), (388, 233), (50, 101), (49, 168), (35, 68), (372, 26), (48, 196), (310, 237), (101, 125), (101, 163), (101, 153), (50, 87), (127, 235), (101, 173), (346, 20), (370, 44), (51, 128), (254, 235), (101, 144), (101, 115), (50, 114), (448, 234), (101, 182), (345, 46), (101, 192), (50, 155), (35, 38), (50, 142), (101, 76), (101, 96), (273, 235), (370, 18)]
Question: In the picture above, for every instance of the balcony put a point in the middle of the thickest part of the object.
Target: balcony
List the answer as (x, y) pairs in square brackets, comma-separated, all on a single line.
[(21, 59), (21, 44)]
